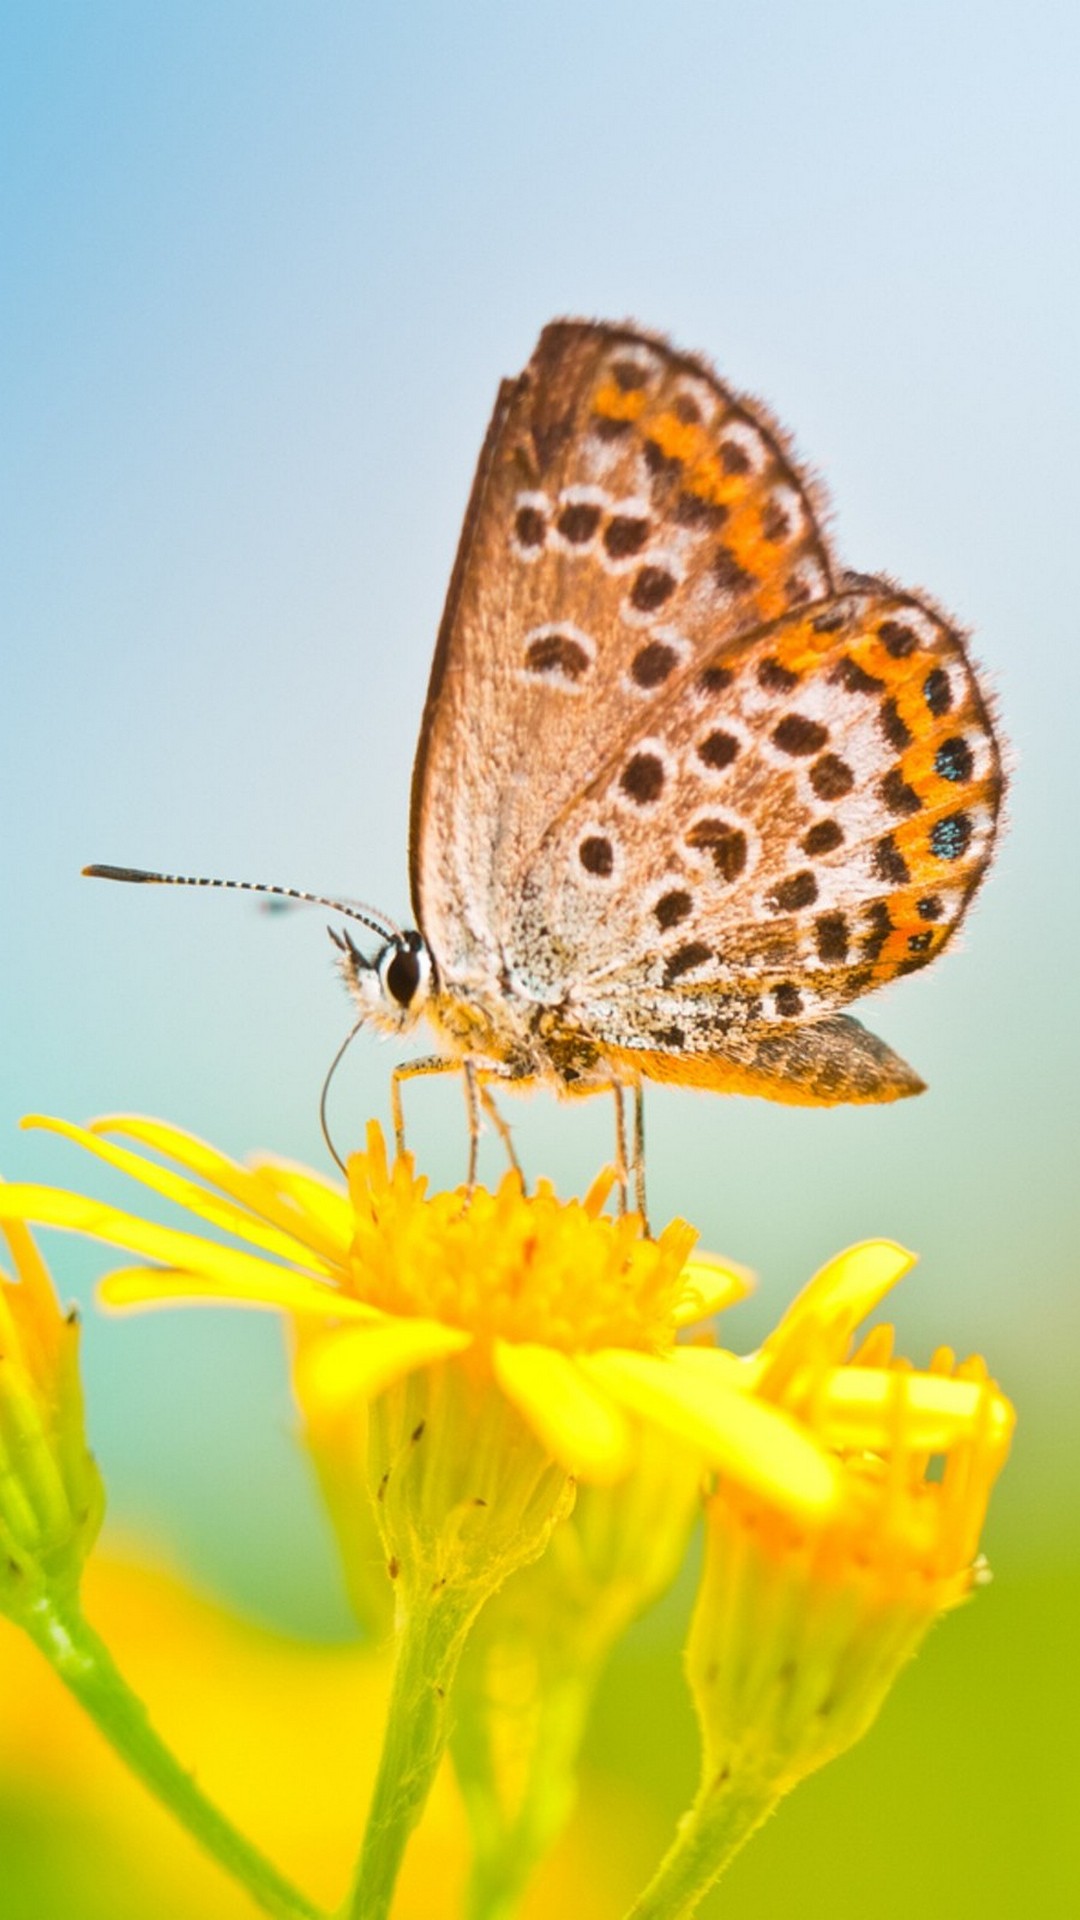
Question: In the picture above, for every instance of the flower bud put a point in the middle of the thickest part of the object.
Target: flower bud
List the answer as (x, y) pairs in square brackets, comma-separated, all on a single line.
[(51, 1497)]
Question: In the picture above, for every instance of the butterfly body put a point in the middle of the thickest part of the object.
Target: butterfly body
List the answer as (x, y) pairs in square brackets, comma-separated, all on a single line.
[(684, 788), (507, 1035)]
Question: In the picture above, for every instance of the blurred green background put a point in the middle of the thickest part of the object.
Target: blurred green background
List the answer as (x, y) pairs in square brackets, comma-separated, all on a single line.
[(264, 266)]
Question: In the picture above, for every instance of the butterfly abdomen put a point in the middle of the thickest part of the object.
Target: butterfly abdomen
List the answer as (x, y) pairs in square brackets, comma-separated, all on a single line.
[(824, 1063)]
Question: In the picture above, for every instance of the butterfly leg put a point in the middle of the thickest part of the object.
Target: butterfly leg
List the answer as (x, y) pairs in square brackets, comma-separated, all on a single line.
[(473, 1098), (621, 1174), (638, 1160), (487, 1101), (632, 1169), (411, 1070)]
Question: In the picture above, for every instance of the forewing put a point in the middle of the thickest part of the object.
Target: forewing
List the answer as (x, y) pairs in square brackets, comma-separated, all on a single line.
[(629, 517), (801, 817)]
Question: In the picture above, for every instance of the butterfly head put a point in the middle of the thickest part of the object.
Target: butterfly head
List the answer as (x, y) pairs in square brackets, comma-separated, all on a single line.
[(391, 989)]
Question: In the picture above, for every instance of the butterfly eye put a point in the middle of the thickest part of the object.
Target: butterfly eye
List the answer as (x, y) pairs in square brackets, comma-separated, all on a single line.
[(403, 969)]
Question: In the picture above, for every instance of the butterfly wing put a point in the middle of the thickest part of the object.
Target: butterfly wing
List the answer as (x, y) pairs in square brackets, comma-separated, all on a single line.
[(628, 513), (674, 778), (804, 818)]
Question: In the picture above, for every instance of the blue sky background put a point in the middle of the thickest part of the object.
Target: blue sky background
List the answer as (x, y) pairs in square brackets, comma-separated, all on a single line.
[(263, 267)]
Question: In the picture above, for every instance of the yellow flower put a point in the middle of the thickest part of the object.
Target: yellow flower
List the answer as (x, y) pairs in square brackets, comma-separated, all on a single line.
[(920, 1450), (476, 1353), (502, 1345), (51, 1499), (802, 1623), (569, 1316)]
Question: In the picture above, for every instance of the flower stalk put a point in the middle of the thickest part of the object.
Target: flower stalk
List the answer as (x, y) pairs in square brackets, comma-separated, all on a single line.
[(429, 1645), (84, 1664), (465, 1495), (535, 1658), (51, 1506), (722, 1819)]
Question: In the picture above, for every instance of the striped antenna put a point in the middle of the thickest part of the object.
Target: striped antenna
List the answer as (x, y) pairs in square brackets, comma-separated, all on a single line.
[(352, 909)]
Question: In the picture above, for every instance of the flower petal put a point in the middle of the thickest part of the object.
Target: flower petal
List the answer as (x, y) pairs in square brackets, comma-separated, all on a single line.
[(359, 1363), (278, 1289), (247, 1185), (709, 1286), (217, 1209), (238, 1276), (316, 1198), (29, 1265), (756, 1443), (858, 1407), (722, 1370), (845, 1290), (578, 1424), (37, 1293)]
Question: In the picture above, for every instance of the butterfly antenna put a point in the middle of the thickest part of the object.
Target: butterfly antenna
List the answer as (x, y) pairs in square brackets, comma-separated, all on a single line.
[(369, 917), (332, 1069)]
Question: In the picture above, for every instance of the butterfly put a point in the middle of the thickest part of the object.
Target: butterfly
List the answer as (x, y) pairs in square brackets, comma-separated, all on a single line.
[(684, 787)]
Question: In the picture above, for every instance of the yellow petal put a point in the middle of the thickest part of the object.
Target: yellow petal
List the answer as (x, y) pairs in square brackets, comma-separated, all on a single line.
[(34, 1328), (577, 1423), (317, 1198), (248, 1185), (360, 1363), (278, 1289), (29, 1265), (723, 1370), (846, 1289), (37, 1296), (212, 1207), (866, 1406), (709, 1285), (756, 1443), (240, 1275)]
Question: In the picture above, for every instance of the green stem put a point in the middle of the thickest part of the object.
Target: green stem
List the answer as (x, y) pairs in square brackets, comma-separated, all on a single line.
[(430, 1640), (509, 1848), (85, 1666), (497, 1901), (721, 1820)]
